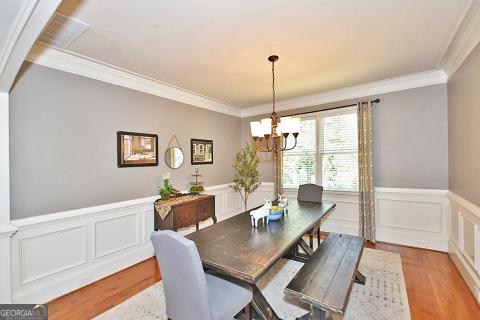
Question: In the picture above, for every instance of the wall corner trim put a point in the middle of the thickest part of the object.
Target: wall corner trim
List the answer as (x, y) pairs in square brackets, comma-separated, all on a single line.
[(29, 21), (473, 208)]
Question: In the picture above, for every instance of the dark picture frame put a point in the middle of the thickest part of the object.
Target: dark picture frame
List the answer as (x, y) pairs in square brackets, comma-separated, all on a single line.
[(135, 149), (201, 151)]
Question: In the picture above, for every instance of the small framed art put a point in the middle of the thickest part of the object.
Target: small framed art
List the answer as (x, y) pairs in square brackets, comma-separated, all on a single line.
[(201, 151)]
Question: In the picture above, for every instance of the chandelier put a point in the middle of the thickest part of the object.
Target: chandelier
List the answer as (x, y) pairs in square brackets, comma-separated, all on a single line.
[(267, 133)]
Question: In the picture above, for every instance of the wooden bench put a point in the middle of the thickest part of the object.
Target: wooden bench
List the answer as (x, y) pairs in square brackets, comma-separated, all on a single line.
[(325, 281)]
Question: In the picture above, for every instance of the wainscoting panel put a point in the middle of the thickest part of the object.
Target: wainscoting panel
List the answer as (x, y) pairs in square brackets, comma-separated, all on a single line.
[(413, 217), (57, 253), (116, 234), (464, 242), (65, 249)]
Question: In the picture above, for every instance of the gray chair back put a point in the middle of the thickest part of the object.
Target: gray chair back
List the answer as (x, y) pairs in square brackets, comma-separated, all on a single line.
[(310, 192), (186, 291)]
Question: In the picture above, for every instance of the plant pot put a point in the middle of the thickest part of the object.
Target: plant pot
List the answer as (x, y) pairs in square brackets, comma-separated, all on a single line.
[(165, 196)]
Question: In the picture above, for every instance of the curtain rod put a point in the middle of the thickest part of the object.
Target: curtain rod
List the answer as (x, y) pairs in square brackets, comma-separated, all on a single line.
[(333, 108)]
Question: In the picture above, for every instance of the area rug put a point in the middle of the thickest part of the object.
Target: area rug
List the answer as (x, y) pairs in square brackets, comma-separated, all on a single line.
[(383, 297)]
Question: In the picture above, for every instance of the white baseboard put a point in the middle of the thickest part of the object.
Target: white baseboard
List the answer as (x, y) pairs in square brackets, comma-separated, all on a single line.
[(464, 243)]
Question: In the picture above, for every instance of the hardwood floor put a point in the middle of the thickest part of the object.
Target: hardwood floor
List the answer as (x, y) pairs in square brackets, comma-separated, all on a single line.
[(435, 288), (94, 299)]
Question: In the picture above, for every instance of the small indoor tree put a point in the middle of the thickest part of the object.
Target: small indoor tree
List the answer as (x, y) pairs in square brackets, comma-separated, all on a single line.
[(247, 177)]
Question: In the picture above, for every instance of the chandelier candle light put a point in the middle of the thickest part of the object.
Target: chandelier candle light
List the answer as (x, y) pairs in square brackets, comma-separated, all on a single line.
[(273, 128)]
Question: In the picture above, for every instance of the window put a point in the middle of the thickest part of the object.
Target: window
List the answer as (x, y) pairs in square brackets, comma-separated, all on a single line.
[(299, 164), (327, 152)]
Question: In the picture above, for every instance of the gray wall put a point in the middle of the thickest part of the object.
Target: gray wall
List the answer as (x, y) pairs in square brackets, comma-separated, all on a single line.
[(464, 129), (63, 142), (410, 138)]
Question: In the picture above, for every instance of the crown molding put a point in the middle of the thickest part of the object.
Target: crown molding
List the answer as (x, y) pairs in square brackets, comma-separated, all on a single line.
[(464, 41), (416, 80), (83, 66)]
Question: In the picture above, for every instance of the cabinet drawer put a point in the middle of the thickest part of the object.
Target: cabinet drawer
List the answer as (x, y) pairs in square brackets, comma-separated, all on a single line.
[(184, 216), (206, 209)]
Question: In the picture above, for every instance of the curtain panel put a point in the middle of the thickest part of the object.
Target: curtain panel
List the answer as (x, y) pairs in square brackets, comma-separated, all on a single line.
[(365, 171)]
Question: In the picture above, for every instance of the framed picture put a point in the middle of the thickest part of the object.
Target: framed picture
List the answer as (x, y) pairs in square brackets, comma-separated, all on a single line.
[(201, 151), (136, 149)]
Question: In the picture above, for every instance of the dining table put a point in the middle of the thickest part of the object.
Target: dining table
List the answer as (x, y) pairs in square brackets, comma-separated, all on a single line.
[(234, 248)]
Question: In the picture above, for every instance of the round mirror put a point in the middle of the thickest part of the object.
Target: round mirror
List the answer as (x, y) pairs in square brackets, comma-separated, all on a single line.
[(174, 157)]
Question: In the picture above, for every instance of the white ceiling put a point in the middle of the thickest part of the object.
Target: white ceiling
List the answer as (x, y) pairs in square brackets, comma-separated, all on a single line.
[(218, 48)]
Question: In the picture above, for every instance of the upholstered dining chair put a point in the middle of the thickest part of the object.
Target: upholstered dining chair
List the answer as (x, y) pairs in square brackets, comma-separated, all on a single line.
[(189, 292), (311, 193)]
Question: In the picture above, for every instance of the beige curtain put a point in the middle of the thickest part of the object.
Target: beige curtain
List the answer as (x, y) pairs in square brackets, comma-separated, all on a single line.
[(365, 171)]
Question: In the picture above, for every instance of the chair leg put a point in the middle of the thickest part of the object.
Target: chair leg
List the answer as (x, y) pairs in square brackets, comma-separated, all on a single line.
[(248, 312)]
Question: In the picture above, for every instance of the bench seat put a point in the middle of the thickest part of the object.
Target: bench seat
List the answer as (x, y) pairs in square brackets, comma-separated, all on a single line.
[(325, 281)]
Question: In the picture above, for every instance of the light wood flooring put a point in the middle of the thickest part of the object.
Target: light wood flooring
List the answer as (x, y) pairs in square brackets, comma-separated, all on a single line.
[(435, 288)]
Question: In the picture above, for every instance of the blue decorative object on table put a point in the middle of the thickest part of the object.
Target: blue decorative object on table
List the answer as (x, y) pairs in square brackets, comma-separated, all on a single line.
[(275, 213)]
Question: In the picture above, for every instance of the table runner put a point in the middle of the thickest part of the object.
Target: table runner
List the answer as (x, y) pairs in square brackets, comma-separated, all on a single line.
[(163, 207)]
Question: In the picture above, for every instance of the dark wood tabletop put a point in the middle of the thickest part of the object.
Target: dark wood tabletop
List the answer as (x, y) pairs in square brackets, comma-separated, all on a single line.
[(235, 248)]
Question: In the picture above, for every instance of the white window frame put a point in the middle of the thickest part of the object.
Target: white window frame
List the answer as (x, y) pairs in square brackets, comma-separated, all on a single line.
[(318, 154), (309, 116)]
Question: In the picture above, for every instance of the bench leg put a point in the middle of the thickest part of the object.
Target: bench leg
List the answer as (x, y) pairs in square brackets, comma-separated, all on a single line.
[(308, 250), (317, 314), (248, 312), (261, 306), (360, 278)]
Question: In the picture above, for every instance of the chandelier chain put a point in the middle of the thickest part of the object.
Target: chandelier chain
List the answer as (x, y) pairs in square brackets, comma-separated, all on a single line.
[(275, 141), (273, 85)]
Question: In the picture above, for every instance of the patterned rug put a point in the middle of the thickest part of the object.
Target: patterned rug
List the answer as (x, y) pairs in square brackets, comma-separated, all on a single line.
[(383, 297)]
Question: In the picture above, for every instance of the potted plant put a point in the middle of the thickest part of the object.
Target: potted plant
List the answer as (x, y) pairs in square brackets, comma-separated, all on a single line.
[(247, 177), (166, 191)]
